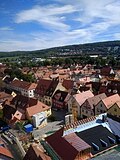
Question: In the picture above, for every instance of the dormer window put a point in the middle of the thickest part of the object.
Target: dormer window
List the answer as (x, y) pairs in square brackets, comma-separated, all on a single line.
[(114, 91), (103, 143)]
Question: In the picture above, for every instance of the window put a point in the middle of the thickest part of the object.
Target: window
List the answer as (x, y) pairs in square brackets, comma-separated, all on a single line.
[(115, 109), (97, 110)]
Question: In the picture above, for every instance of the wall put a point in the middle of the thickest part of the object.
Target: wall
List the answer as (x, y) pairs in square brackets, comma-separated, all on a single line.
[(114, 110), (100, 108), (86, 110)]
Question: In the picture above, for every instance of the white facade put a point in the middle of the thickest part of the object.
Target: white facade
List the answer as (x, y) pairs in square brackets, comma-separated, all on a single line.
[(69, 119), (39, 119), (27, 93)]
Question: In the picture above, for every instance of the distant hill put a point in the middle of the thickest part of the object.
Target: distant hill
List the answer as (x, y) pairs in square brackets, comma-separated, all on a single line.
[(101, 48)]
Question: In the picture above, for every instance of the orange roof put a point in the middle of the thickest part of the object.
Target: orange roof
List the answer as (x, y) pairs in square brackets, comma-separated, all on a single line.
[(81, 97), (5, 152), (39, 107), (109, 101)]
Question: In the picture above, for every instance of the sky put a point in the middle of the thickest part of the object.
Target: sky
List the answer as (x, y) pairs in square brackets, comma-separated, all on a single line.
[(38, 24)]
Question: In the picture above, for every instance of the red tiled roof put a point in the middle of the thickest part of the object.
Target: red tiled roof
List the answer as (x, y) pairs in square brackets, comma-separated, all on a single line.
[(77, 142), (35, 153), (5, 152), (63, 149), (52, 87), (68, 84), (23, 84), (8, 111), (109, 101), (4, 95), (39, 107), (81, 97), (42, 86), (105, 71), (96, 99), (23, 102)]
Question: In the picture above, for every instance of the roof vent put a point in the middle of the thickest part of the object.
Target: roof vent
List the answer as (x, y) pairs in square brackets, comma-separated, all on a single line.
[(95, 147), (112, 141), (103, 143)]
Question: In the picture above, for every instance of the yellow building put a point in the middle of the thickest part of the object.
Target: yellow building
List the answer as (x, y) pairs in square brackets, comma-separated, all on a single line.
[(115, 109)]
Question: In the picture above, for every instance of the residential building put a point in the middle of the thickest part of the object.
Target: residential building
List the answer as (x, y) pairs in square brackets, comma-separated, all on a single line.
[(68, 84), (115, 109), (88, 107), (78, 100), (41, 88), (104, 105), (70, 146), (35, 152), (24, 88), (46, 89), (22, 108), (3, 97), (59, 100), (107, 71), (38, 114), (83, 139)]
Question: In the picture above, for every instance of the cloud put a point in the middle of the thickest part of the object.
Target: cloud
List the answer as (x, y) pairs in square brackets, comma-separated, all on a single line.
[(40, 40), (6, 29), (63, 23), (49, 16)]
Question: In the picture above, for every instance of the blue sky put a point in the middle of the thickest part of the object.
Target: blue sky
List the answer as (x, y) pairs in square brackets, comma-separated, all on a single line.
[(39, 24)]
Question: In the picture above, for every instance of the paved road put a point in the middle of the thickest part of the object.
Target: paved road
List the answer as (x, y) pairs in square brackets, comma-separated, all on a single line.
[(51, 126)]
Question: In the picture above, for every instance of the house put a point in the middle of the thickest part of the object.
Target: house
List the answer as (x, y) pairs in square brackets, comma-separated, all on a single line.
[(83, 139), (7, 80), (5, 154), (68, 84), (107, 71), (23, 87), (46, 88), (3, 97), (50, 91), (35, 152), (115, 109), (75, 102), (41, 88), (8, 112), (97, 131), (106, 103), (110, 87), (59, 99), (70, 146), (88, 107), (22, 108), (38, 114), (113, 87)]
